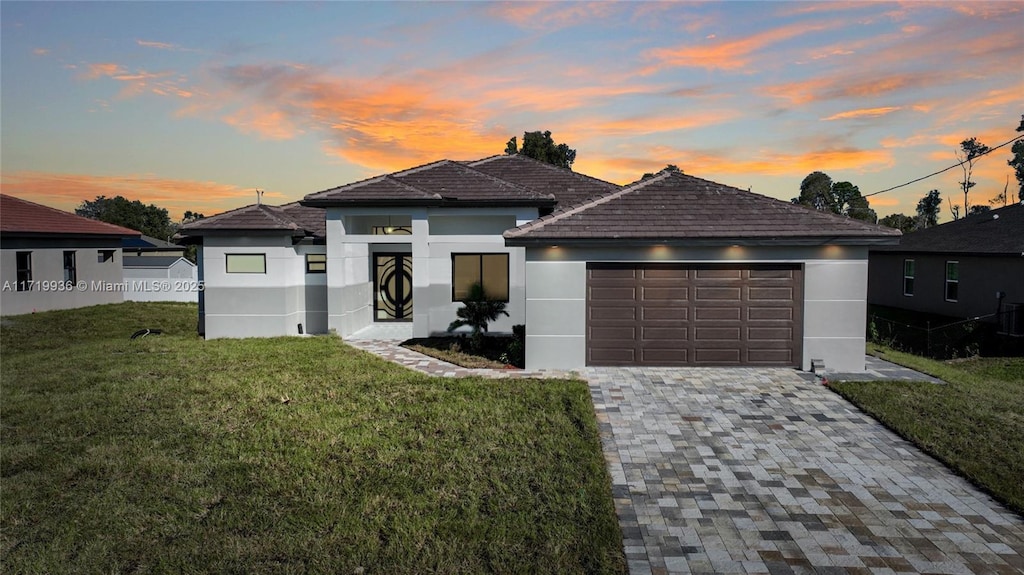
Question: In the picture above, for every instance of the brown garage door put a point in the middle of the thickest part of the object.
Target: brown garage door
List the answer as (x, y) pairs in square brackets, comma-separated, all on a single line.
[(673, 314)]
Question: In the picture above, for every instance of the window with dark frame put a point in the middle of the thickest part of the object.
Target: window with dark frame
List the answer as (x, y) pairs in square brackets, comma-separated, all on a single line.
[(952, 281), (245, 263), (24, 264), (490, 270), (316, 263), (70, 269), (104, 256), (908, 277)]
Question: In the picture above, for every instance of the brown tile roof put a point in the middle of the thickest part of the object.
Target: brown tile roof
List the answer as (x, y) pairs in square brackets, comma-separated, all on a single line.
[(676, 207), (22, 217), (998, 231), (436, 184), (293, 218), (568, 187)]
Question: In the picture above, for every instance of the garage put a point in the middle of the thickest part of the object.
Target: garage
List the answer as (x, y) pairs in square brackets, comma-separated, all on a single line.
[(659, 314)]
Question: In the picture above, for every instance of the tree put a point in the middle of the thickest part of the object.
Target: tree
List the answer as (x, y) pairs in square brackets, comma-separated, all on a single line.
[(970, 150), (818, 191), (189, 216), (667, 168), (901, 222), (477, 311), (978, 209), (148, 219), (540, 146), (928, 210), (1017, 162)]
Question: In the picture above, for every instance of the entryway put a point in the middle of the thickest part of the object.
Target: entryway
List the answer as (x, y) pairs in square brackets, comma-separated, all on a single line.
[(392, 287)]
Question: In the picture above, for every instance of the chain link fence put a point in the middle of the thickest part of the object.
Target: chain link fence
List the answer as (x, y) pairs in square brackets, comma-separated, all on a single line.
[(945, 339)]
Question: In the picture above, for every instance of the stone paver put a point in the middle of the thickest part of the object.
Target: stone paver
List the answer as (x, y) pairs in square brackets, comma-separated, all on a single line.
[(393, 351), (764, 471)]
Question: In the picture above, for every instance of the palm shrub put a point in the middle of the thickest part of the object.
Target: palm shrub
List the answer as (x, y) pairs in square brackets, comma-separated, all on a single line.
[(477, 311)]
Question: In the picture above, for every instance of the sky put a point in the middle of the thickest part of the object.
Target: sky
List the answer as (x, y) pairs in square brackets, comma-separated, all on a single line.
[(195, 105)]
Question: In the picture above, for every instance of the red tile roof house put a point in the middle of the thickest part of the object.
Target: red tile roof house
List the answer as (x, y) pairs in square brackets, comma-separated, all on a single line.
[(51, 259), (673, 270)]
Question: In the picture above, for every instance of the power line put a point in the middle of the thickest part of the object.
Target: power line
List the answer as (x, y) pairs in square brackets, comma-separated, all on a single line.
[(957, 165)]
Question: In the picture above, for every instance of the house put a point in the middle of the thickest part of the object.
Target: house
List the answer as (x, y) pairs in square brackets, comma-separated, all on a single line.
[(160, 278), (967, 268), (672, 270), (51, 259), (149, 246)]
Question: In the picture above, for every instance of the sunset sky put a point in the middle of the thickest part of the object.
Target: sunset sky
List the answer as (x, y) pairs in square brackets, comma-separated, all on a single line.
[(192, 106)]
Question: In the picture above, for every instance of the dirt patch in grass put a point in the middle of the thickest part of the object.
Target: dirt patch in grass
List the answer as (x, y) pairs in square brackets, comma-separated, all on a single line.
[(494, 354)]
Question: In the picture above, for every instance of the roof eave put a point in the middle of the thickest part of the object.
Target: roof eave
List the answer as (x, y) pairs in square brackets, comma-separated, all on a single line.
[(68, 235), (804, 241), (429, 202)]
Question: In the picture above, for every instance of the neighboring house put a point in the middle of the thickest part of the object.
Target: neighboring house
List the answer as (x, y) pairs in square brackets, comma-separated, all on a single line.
[(51, 259), (672, 270), (971, 267), (160, 278), (149, 246)]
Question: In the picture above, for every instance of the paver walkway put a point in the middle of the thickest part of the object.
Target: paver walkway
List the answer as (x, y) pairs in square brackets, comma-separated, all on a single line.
[(763, 471)]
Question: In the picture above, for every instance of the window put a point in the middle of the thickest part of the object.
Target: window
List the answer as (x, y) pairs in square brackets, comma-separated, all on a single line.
[(104, 256), (24, 271), (316, 263), (908, 277), (491, 270), (70, 271), (246, 263), (952, 280)]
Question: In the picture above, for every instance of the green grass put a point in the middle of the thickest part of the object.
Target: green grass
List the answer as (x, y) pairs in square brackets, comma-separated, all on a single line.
[(171, 454), (974, 423)]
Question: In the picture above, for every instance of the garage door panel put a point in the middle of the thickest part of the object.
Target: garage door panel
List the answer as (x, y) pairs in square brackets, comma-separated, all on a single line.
[(770, 293), (696, 314), (703, 293), (717, 313)]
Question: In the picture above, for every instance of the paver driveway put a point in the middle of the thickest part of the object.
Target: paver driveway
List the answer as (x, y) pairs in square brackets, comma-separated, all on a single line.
[(761, 471)]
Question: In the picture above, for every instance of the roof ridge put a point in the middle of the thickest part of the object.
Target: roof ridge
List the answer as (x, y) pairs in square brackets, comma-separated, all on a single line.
[(573, 210), (514, 185), (72, 214), (270, 211), (517, 155)]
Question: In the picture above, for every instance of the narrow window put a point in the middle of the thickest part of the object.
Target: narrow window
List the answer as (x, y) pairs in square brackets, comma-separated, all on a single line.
[(24, 271), (246, 263), (908, 277), (316, 263), (104, 256), (70, 270), (952, 281), (490, 270)]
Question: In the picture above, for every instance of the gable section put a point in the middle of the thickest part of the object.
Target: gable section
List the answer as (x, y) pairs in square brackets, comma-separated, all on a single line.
[(568, 187)]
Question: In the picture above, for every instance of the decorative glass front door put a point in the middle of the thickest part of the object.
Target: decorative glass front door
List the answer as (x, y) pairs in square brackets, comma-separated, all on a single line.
[(392, 284)]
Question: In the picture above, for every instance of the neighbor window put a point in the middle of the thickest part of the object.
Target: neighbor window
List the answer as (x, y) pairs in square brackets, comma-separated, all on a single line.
[(316, 263), (952, 281), (70, 271), (104, 256), (246, 263), (491, 270), (908, 277), (24, 271)]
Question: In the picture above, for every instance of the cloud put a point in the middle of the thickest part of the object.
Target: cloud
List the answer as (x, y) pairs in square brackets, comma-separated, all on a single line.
[(721, 54), (165, 83), (41, 51), (68, 191), (864, 113), (551, 15), (270, 124)]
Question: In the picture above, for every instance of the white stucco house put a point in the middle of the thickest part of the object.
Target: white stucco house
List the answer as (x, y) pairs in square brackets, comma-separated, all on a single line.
[(671, 270), (160, 278), (51, 259)]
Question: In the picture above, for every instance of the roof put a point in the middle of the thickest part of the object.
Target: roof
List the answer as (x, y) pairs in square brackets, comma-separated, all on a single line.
[(442, 183), (293, 219), (148, 243), (673, 207), (568, 187), (995, 232), (162, 262), (22, 217)]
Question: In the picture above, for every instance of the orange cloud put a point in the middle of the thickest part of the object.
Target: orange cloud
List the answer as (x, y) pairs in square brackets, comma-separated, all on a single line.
[(268, 123), (726, 55), (68, 191), (864, 113), (551, 15), (165, 83)]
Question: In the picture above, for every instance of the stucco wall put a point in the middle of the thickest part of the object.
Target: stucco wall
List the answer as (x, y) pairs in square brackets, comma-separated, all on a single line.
[(980, 278), (835, 287), (98, 282), (270, 304)]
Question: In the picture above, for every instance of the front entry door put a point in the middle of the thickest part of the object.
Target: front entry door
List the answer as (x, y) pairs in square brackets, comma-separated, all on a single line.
[(392, 286)]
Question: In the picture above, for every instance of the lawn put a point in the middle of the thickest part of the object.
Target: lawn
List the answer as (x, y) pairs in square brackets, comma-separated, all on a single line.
[(974, 423), (171, 454)]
